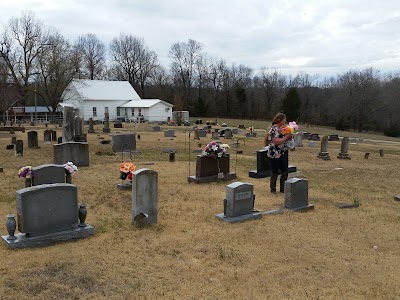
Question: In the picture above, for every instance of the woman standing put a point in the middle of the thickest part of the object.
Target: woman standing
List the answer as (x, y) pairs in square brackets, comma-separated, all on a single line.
[(274, 141)]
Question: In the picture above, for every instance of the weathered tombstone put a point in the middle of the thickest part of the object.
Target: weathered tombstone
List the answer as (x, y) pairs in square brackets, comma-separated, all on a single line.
[(215, 135), (48, 174), (123, 142), (48, 213), (306, 135), (196, 133), (169, 133), (251, 134), (106, 128), (80, 135), (209, 169), (366, 155), (13, 140), (296, 194), (298, 139), (91, 126), (117, 124), (33, 139), (239, 203), (333, 137), (312, 144), (228, 133), (324, 154), (47, 136), (76, 152), (19, 148), (314, 137), (172, 157), (10, 147), (156, 128), (381, 153), (59, 140), (144, 197), (344, 148), (202, 133), (68, 124)]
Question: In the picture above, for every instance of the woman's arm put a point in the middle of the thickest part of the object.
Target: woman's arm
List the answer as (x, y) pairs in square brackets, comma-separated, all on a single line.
[(278, 141)]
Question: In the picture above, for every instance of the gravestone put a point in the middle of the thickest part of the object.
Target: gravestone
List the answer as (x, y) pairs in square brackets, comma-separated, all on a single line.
[(33, 139), (59, 140), (80, 135), (13, 140), (298, 139), (344, 148), (312, 144), (169, 133), (306, 135), (196, 133), (106, 128), (209, 169), (381, 153), (10, 147), (48, 174), (251, 134), (68, 124), (324, 154), (47, 136), (123, 142), (366, 155), (264, 165), (241, 126), (202, 133), (117, 124), (314, 137), (239, 203), (48, 213), (228, 134), (333, 137), (91, 126), (296, 194), (156, 128), (76, 152), (144, 197), (215, 135), (19, 148)]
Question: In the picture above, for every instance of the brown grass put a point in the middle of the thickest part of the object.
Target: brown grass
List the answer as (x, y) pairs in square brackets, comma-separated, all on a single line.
[(322, 254)]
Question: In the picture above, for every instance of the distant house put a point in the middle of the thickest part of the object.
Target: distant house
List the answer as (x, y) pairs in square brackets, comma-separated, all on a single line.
[(93, 98), (18, 112)]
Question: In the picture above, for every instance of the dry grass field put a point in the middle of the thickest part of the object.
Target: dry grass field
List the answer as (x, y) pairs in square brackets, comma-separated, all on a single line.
[(326, 253)]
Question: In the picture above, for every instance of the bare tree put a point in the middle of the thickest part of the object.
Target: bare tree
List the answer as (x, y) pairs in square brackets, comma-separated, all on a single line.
[(307, 91), (21, 42), (148, 62), (93, 53)]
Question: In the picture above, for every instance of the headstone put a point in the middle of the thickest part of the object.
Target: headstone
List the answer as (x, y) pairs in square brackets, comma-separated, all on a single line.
[(366, 155), (239, 203), (169, 133), (312, 144), (228, 134), (241, 126), (209, 169), (47, 136), (199, 121), (314, 137), (333, 137), (144, 197), (59, 140), (123, 142), (33, 139), (10, 146), (106, 128), (91, 126), (196, 133), (381, 153), (48, 174), (296, 194), (344, 148), (202, 133), (80, 135), (236, 131), (251, 134), (324, 154), (171, 156), (76, 152), (156, 128), (117, 124), (13, 140), (19, 148), (68, 124), (215, 135), (263, 165), (298, 139)]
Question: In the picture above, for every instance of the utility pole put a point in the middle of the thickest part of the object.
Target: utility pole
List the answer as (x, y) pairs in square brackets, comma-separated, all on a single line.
[(35, 105)]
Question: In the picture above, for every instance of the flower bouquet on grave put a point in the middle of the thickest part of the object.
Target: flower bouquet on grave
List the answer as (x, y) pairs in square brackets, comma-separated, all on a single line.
[(125, 170), (26, 172), (70, 168), (215, 150), (289, 129)]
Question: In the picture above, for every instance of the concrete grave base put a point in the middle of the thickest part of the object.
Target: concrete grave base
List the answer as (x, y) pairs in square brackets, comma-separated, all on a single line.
[(267, 173), (343, 156), (397, 198), (124, 186), (344, 205), (324, 156), (242, 218), (213, 178), (22, 241), (302, 208)]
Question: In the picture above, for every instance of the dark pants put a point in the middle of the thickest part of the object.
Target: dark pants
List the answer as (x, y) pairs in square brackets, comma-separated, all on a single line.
[(280, 163)]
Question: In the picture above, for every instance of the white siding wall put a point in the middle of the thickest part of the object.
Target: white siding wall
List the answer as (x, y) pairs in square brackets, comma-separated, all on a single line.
[(87, 111), (158, 113)]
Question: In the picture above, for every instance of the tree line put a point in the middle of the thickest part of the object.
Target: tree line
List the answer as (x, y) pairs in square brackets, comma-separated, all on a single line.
[(38, 60)]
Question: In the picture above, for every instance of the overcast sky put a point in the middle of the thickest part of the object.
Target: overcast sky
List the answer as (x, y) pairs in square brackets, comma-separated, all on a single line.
[(325, 37)]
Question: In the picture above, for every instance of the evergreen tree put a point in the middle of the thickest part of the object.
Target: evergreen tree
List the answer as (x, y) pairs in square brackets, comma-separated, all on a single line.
[(291, 104)]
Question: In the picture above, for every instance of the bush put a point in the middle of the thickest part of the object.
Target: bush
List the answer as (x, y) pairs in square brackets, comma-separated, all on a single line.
[(393, 131), (342, 124)]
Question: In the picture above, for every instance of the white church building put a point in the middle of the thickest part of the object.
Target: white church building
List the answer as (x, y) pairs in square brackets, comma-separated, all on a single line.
[(93, 98)]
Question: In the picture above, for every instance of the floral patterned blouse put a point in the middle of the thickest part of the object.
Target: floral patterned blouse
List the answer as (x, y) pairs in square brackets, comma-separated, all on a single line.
[(275, 151)]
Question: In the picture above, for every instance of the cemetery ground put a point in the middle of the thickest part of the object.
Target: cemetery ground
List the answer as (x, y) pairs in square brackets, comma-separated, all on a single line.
[(325, 253)]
